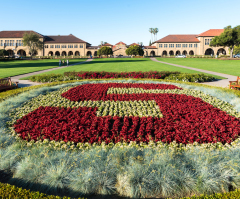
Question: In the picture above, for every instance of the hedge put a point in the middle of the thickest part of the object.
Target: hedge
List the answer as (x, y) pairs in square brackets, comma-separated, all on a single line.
[(11, 191), (10, 93)]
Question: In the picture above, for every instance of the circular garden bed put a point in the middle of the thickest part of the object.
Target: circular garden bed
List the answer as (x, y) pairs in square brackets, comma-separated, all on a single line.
[(136, 139)]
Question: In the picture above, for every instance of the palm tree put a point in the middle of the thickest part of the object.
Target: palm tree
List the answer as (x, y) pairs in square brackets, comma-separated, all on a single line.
[(156, 32), (151, 31)]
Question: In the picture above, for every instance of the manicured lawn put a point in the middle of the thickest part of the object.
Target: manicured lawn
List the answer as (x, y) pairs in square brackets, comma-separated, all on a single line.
[(122, 64), (18, 67), (231, 67)]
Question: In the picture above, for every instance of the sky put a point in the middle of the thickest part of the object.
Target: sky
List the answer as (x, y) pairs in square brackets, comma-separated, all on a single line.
[(113, 21)]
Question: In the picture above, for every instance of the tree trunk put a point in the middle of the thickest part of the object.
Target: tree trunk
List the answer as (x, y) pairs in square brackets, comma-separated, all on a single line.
[(231, 52)]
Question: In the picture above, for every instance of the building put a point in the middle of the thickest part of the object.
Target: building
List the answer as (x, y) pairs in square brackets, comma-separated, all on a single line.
[(60, 45), (191, 44), (70, 45)]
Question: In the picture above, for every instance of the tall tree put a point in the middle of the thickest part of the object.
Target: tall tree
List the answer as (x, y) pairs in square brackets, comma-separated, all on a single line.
[(150, 43), (151, 31), (134, 50), (229, 38), (33, 42), (156, 32), (104, 51)]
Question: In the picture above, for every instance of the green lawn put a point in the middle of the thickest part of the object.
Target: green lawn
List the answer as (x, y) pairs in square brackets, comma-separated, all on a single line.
[(122, 64), (18, 67), (231, 67)]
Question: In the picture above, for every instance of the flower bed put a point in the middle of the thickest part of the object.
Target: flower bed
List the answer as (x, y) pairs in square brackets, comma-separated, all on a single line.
[(130, 169), (130, 112)]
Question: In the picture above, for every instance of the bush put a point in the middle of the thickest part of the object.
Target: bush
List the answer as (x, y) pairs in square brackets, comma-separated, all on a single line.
[(105, 75), (53, 78), (185, 77), (230, 195), (10, 191)]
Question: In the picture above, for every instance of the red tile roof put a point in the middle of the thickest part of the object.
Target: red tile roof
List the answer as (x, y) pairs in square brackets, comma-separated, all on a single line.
[(120, 43), (211, 33), (178, 39), (107, 44), (63, 39), (16, 34), (134, 44), (149, 47)]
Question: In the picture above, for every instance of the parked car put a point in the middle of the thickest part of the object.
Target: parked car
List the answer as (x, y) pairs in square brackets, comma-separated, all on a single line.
[(180, 56), (237, 55)]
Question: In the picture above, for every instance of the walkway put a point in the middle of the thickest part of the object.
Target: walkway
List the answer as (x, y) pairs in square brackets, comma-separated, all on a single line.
[(26, 83), (221, 83)]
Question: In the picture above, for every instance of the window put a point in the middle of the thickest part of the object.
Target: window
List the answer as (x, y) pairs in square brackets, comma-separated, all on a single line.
[(178, 45), (171, 45), (70, 46), (207, 41), (64, 46), (7, 42), (57, 46), (46, 46), (19, 43), (75, 46), (195, 45), (51, 46), (160, 45), (186, 45), (165, 45), (190, 45)]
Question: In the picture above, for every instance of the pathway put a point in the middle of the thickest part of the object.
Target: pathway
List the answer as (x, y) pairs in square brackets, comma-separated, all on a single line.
[(26, 83), (221, 83)]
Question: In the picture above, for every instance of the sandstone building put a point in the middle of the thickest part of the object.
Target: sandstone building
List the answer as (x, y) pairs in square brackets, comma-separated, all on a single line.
[(70, 45)]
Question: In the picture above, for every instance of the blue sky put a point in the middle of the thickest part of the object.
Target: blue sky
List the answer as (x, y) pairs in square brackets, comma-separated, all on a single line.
[(113, 21)]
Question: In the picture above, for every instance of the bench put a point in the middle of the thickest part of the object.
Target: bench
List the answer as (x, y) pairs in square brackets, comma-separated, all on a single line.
[(234, 84), (7, 84)]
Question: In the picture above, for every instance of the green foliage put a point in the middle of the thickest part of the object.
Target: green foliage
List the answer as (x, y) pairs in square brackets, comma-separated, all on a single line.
[(33, 42), (3, 53), (134, 50), (230, 195), (104, 51), (52, 78), (191, 77), (13, 192), (236, 50), (230, 38)]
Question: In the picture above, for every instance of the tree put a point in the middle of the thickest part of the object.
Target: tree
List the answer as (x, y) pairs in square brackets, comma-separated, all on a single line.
[(3, 53), (229, 38), (134, 50), (33, 42), (150, 43), (156, 32), (104, 51), (151, 31), (236, 50)]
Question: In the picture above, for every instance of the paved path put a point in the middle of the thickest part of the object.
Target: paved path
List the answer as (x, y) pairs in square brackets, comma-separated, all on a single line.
[(26, 83), (221, 83)]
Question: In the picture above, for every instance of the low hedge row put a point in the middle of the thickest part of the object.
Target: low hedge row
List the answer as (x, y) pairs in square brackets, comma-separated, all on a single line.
[(11, 191), (185, 77), (10, 93)]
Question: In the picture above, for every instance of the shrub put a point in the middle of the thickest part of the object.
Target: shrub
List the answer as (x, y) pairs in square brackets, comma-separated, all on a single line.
[(11, 191), (185, 77)]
